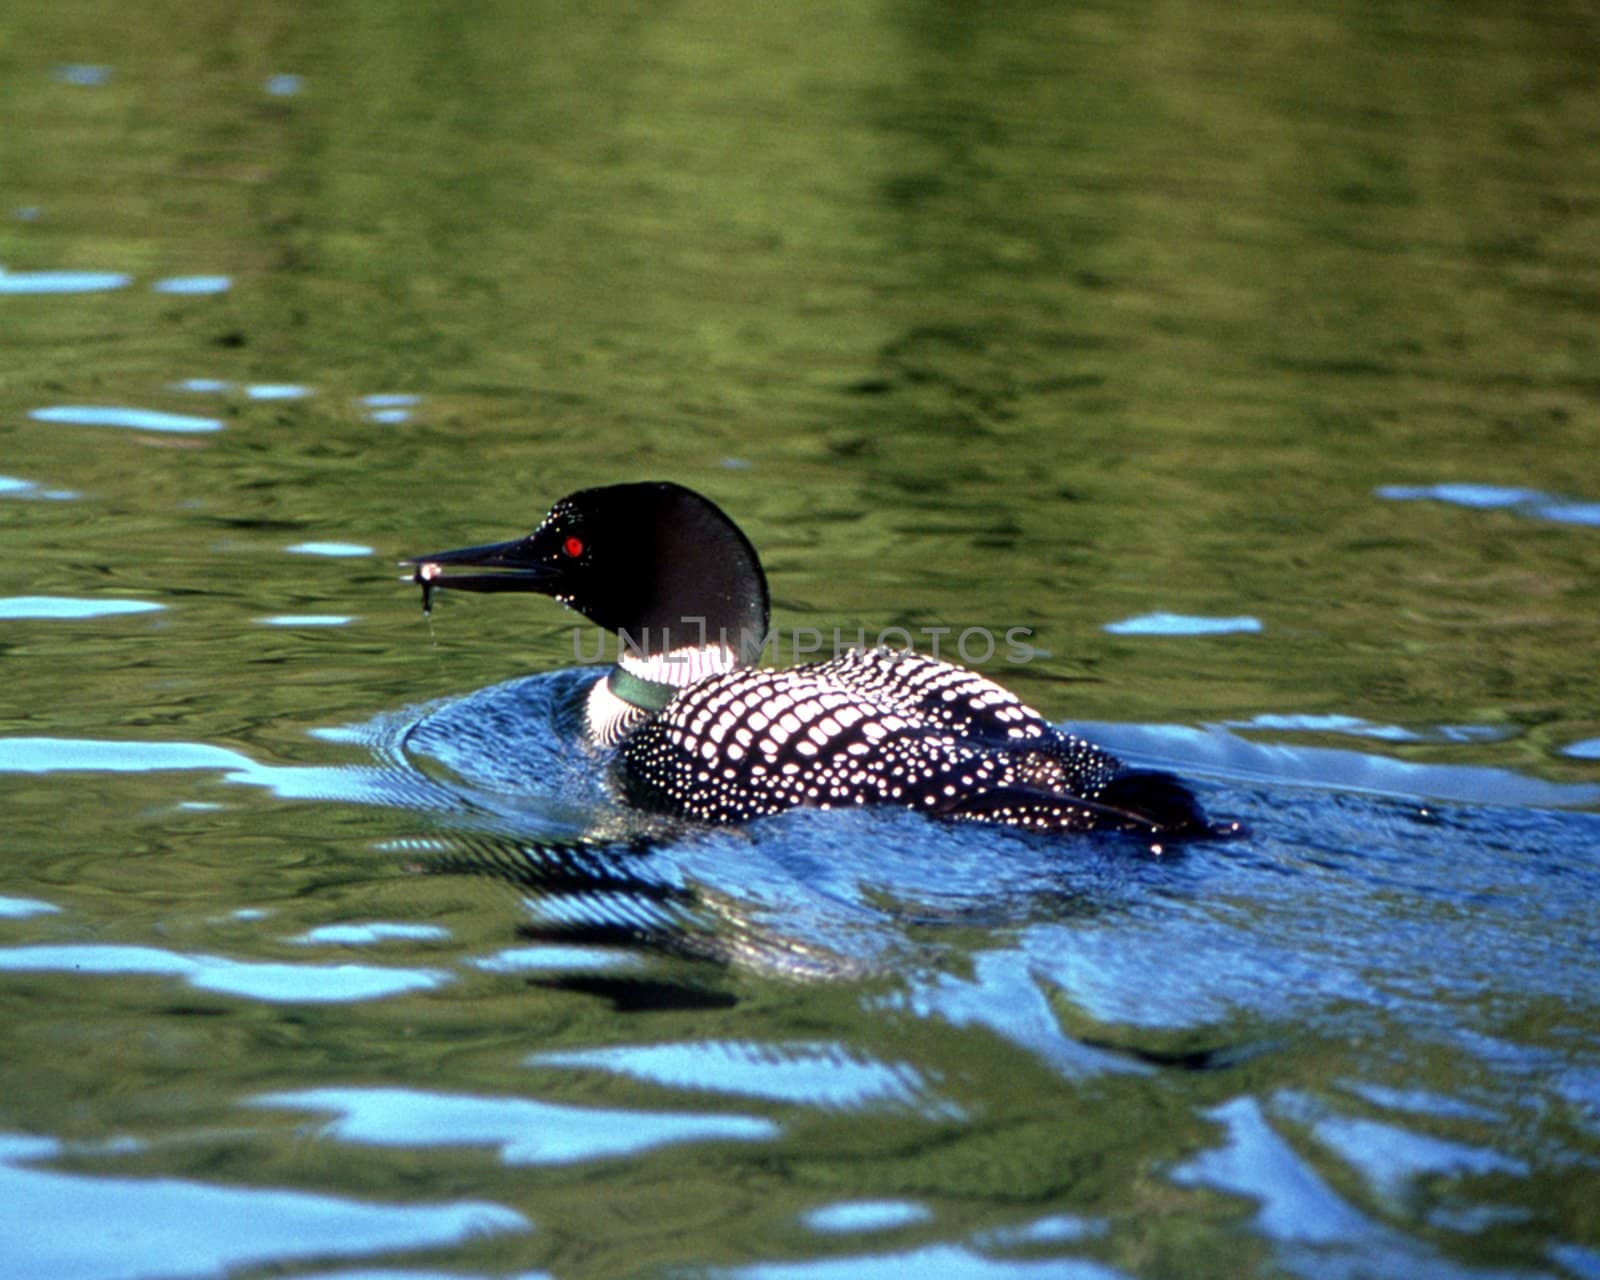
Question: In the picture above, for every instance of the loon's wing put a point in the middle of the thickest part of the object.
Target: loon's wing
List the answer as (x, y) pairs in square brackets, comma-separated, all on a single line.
[(1137, 801), (923, 688), (980, 713)]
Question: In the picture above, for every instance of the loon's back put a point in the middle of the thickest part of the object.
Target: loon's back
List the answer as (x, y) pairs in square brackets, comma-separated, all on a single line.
[(875, 727)]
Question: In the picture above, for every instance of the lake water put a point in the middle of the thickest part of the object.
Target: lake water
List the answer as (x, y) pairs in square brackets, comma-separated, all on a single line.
[(1249, 356)]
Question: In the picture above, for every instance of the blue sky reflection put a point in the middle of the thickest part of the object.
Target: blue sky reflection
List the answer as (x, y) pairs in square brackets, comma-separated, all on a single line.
[(524, 1131), (173, 1227)]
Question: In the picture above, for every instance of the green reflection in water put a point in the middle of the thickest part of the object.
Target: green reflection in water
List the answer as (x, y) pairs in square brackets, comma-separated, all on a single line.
[(1015, 314)]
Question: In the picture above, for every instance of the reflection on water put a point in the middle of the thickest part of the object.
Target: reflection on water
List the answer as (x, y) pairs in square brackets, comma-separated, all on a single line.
[(167, 1226), (1216, 748), (523, 1132), (307, 620), (1322, 1232), (47, 755), (13, 487), (61, 281), (385, 407), (1296, 1205), (865, 1215), (21, 908), (93, 415), (193, 285), (329, 549), (1176, 624), (390, 407), (364, 935), (1489, 497), (1246, 355), (1052, 962), (66, 609), (82, 73), (956, 1263), (816, 1075), (253, 981), (1355, 726)]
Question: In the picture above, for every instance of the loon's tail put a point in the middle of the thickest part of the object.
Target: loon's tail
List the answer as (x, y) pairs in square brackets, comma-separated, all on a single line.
[(1159, 799)]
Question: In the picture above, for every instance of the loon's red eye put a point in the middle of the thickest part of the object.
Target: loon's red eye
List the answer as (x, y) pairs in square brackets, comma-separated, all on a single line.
[(573, 547)]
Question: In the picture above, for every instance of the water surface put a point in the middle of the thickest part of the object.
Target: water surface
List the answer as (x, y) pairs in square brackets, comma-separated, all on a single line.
[(1247, 358)]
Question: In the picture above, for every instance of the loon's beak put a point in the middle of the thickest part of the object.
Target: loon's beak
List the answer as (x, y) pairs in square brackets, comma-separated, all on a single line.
[(508, 566)]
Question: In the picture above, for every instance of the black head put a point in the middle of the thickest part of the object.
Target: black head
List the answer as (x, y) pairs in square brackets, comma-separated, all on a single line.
[(650, 559)]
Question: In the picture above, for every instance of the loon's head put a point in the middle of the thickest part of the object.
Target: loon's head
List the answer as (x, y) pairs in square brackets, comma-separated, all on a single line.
[(655, 560)]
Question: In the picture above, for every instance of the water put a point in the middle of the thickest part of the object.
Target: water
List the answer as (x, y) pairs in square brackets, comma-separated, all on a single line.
[(1247, 358)]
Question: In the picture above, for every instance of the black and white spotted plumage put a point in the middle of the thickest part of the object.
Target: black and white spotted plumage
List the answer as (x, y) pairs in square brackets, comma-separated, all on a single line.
[(697, 734), (867, 727)]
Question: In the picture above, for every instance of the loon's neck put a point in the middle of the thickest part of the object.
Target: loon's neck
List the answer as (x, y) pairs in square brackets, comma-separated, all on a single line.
[(641, 684)]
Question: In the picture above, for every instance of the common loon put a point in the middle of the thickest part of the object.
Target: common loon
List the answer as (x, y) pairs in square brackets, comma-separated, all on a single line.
[(700, 734)]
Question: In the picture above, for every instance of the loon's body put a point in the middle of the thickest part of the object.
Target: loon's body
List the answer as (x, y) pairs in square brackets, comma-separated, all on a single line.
[(699, 734)]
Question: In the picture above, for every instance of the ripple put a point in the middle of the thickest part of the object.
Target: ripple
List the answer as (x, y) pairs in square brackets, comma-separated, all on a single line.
[(329, 549), (22, 908), (1214, 749), (1422, 1102), (814, 1073), (100, 415), (91, 755), (555, 958), (1484, 497), (1054, 1228), (252, 980), (284, 85), (865, 1215), (1586, 513), (276, 391), (83, 74), (525, 1132), (181, 1228), (203, 386), (1392, 1159), (1002, 994), (68, 608), (62, 281), (353, 783), (389, 406), (1296, 1205), (13, 487), (1532, 503), (193, 285), (1357, 727), (408, 1273), (366, 935), (306, 620), (1324, 1234), (948, 1262), (1181, 624), (1583, 1263)]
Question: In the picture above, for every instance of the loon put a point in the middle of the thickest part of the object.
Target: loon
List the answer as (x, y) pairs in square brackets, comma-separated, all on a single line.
[(699, 733)]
